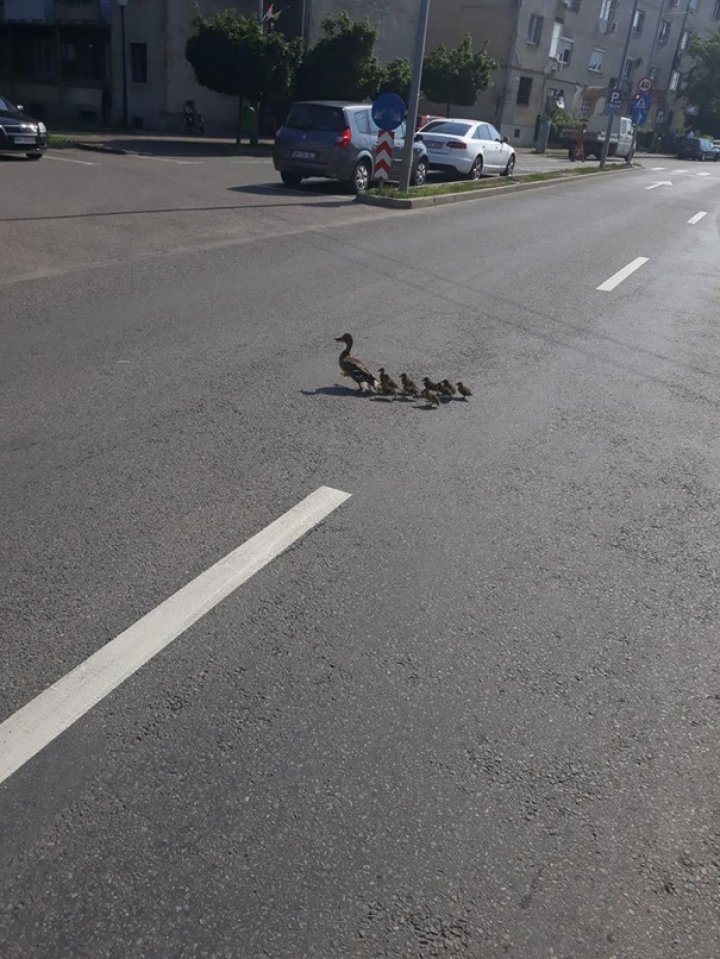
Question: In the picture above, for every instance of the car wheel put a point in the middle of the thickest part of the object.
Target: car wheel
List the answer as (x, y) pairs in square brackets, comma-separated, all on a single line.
[(360, 180), (420, 173), (509, 167), (33, 156), (476, 169), (291, 179)]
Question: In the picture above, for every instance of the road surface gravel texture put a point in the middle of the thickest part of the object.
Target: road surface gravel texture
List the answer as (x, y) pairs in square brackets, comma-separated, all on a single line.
[(473, 712)]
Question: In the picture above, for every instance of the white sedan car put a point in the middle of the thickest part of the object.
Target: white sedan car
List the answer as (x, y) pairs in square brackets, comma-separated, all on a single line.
[(469, 147)]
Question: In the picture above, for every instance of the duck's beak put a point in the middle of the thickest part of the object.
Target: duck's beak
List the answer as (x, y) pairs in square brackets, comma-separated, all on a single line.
[(339, 339)]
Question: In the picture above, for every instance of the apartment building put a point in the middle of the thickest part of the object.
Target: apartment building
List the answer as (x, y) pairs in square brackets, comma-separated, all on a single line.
[(58, 54)]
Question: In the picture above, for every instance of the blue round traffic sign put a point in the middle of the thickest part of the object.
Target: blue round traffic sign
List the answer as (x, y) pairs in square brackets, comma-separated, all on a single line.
[(388, 111)]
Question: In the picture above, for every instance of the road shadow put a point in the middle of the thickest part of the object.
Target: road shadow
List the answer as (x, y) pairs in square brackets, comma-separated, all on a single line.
[(336, 390), (336, 192), (159, 210)]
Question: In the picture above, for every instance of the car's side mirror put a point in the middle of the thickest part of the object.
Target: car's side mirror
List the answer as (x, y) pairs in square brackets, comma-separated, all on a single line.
[(504, 139), (20, 107), (418, 138)]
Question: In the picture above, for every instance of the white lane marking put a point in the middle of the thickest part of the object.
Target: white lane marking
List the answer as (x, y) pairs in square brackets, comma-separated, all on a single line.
[(49, 156), (654, 186), (142, 156), (41, 720), (657, 169), (673, 172), (617, 278), (704, 174), (697, 217)]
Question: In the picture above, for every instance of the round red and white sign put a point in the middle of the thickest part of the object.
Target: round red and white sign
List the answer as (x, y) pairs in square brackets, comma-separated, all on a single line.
[(645, 85)]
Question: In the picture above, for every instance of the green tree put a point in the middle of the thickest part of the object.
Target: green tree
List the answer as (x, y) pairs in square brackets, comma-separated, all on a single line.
[(234, 55), (702, 83), (396, 78), (342, 64), (456, 76)]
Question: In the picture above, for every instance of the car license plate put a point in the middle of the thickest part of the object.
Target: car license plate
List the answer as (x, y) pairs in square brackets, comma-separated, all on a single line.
[(302, 155), (436, 147), (25, 140)]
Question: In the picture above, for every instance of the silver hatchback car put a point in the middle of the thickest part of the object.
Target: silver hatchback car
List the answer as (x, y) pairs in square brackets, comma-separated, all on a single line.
[(334, 139)]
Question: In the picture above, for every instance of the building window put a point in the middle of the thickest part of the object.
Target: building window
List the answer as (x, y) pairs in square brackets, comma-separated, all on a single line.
[(716, 10), (684, 37), (523, 94), (555, 39), (674, 3), (535, 29), (674, 79), (638, 23), (607, 10), (664, 32), (654, 73), (597, 60), (586, 108), (628, 68), (573, 5), (693, 5), (564, 51), (138, 62)]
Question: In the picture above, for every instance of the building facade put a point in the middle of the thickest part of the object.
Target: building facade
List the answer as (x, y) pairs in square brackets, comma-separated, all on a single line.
[(57, 55)]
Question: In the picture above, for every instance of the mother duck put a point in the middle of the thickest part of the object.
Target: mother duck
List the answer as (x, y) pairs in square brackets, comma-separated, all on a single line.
[(352, 367)]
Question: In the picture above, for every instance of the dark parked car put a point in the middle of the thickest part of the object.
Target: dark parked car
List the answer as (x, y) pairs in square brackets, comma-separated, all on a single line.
[(20, 133), (334, 139), (697, 148)]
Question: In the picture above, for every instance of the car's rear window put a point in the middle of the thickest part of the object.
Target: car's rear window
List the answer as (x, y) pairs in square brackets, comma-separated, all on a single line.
[(448, 128), (315, 116)]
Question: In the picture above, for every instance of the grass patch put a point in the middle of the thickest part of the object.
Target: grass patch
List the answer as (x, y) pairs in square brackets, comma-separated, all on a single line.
[(58, 140), (489, 183)]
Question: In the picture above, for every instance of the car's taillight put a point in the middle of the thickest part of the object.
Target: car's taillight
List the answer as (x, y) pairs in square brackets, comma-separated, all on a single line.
[(342, 140), (456, 145)]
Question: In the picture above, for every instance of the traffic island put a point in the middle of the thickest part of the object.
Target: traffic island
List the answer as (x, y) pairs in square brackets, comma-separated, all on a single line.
[(457, 192)]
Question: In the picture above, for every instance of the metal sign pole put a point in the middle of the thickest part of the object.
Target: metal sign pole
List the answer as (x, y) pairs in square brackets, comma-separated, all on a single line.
[(418, 57), (608, 131)]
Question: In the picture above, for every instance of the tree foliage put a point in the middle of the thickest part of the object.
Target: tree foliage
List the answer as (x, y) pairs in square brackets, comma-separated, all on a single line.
[(342, 64), (397, 77), (702, 84), (457, 76), (234, 55)]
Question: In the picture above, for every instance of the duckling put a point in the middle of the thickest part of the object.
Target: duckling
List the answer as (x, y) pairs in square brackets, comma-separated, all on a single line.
[(387, 384), (432, 397), (352, 367), (409, 387), (429, 385), (447, 388), (444, 391), (464, 391)]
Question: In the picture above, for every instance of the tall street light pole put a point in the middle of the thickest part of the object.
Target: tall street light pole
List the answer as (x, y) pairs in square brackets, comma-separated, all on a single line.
[(611, 113), (411, 120), (122, 4)]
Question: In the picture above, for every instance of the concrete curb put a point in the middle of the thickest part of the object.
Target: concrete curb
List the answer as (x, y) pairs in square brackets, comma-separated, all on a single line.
[(122, 151), (403, 203), (100, 148)]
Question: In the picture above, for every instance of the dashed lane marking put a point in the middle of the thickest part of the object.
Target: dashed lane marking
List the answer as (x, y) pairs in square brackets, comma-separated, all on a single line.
[(44, 718), (51, 156), (144, 156), (617, 278), (698, 216)]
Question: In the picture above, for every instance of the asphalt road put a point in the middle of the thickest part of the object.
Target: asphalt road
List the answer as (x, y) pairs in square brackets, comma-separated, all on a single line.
[(474, 711)]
